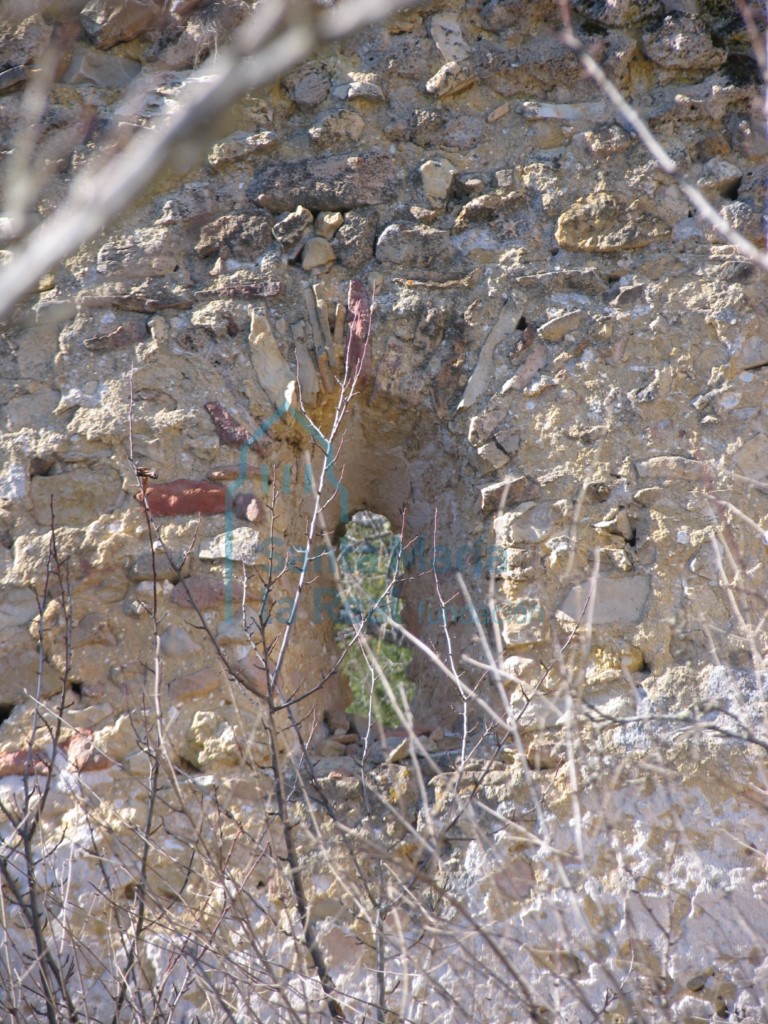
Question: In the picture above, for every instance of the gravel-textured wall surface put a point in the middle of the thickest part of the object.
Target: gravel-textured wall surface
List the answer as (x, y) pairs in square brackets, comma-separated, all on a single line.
[(564, 392)]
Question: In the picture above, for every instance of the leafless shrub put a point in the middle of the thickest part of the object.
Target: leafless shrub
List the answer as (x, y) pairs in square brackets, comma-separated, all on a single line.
[(257, 913)]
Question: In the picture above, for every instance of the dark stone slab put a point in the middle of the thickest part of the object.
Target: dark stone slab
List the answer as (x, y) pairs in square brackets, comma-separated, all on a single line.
[(328, 183)]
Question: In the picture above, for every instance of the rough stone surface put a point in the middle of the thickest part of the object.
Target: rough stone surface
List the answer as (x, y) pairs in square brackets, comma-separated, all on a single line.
[(340, 127), (340, 182), (108, 71), (310, 85), (418, 246), (445, 29), (683, 41), (242, 144), (605, 222), (608, 600), (110, 23), (451, 78), (618, 12), (240, 545), (291, 230), (356, 238), (560, 401), (205, 593), (317, 252), (436, 179), (240, 235), (719, 176), (327, 224)]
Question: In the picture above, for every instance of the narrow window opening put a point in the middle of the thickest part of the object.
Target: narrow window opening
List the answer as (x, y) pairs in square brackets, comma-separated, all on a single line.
[(369, 557)]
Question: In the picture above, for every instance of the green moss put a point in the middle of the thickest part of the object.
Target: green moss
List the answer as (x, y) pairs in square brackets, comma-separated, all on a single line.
[(369, 557)]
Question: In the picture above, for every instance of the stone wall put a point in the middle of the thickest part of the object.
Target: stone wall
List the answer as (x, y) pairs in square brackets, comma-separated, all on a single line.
[(562, 398)]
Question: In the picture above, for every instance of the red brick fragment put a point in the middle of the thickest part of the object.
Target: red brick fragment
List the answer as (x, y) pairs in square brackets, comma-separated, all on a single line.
[(230, 431), (185, 497), (79, 750), (359, 356), (81, 754), (15, 763)]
